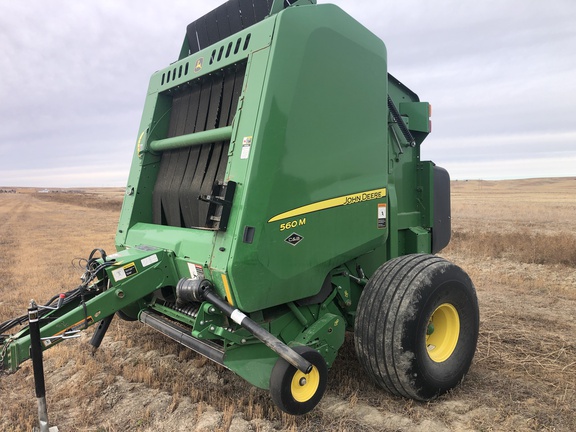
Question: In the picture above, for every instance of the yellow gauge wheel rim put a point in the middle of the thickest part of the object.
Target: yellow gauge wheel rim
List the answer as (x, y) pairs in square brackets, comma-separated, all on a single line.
[(304, 386), (442, 332)]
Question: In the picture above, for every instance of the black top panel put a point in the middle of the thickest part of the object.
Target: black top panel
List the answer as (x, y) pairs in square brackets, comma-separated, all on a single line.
[(224, 21)]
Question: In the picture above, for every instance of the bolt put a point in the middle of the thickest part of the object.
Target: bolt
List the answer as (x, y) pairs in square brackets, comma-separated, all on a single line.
[(302, 381), (212, 328), (243, 341), (211, 310)]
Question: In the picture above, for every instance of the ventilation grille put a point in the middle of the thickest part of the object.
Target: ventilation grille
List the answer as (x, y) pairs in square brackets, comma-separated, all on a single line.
[(223, 52), (232, 48)]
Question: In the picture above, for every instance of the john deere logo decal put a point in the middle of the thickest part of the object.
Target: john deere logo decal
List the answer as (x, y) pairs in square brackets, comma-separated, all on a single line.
[(198, 65), (294, 239)]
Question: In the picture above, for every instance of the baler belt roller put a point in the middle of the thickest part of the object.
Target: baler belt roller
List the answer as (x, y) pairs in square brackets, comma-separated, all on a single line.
[(201, 114)]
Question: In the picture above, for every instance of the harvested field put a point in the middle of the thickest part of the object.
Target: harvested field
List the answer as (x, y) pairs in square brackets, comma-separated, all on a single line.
[(516, 239)]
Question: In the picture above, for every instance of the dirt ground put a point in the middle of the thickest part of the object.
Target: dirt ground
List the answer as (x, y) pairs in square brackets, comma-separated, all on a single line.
[(516, 239)]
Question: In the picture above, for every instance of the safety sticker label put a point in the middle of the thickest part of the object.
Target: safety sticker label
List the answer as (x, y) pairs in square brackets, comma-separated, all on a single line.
[(381, 215), (124, 272), (246, 144), (149, 260), (196, 271)]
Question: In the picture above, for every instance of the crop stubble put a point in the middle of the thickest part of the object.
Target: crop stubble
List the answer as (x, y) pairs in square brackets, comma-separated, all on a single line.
[(517, 240)]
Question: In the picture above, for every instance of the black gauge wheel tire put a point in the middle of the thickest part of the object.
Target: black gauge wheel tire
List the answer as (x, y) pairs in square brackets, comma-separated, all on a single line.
[(293, 391)]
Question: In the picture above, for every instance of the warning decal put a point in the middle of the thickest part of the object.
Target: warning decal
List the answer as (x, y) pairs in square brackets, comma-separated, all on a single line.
[(196, 271), (246, 144), (124, 272), (381, 215), (149, 260)]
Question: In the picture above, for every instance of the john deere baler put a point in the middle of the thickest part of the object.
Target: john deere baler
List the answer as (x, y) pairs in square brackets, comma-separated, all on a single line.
[(277, 200)]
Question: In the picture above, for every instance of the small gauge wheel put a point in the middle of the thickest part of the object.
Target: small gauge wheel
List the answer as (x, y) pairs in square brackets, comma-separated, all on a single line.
[(295, 392)]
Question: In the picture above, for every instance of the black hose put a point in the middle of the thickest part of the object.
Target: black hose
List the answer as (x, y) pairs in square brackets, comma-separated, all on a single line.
[(92, 268)]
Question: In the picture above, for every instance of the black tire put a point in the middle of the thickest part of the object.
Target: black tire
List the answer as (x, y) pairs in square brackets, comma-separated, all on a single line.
[(124, 316), (290, 392), (402, 350)]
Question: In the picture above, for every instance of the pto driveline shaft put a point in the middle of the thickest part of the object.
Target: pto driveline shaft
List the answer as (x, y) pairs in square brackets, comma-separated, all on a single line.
[(202, 291), (264, 336)]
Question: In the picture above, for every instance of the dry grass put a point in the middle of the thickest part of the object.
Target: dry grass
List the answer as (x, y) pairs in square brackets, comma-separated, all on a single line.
[(521, 246), (104, 199), (516, 239)]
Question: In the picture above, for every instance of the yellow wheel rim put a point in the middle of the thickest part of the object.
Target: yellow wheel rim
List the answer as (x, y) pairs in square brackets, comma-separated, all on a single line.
[(442, 332), (304, 386)]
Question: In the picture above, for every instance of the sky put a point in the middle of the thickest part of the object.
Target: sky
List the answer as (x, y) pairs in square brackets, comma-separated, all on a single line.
[(500, 75)]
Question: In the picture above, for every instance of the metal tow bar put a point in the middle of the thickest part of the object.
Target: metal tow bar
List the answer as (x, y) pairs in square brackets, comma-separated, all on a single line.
[(38, 367), (202, 291)]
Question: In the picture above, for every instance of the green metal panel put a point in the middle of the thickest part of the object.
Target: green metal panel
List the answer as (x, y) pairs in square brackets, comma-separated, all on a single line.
[(418, 114), (312, 143)]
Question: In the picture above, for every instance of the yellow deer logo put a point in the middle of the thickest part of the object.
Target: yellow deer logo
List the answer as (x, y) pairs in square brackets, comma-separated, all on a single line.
[(198, 65)]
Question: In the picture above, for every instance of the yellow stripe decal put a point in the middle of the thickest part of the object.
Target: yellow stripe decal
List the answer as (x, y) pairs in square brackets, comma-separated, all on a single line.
[(332, 202), (227, 289)]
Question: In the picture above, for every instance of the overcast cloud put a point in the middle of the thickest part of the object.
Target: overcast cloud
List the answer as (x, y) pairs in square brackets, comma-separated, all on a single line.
[(501, 76)]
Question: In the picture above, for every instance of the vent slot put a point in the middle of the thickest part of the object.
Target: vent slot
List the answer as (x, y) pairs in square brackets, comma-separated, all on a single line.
[(224, 51)]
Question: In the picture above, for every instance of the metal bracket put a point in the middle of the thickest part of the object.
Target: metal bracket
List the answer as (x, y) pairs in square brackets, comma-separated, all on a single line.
[(225, 202), (70, 334)]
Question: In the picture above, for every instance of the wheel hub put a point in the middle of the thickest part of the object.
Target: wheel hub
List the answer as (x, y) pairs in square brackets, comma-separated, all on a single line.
[(442, 332), (304, 386)]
